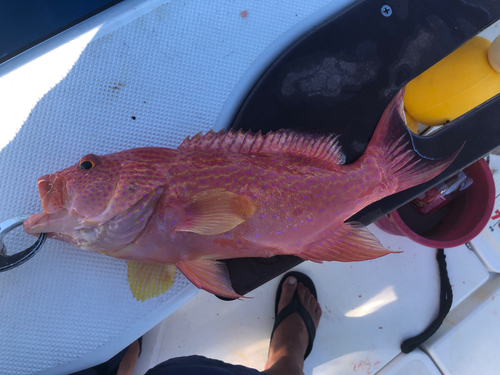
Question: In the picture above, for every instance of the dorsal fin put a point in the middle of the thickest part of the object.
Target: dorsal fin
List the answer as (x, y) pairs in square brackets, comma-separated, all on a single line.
[(319, 147)]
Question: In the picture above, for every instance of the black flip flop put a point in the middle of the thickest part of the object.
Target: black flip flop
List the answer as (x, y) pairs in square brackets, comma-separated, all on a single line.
[(296, 306)]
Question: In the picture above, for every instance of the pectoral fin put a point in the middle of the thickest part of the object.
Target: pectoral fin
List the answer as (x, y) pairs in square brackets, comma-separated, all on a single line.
[(149, 280), (209, 275), (351, 242), (214, 212)]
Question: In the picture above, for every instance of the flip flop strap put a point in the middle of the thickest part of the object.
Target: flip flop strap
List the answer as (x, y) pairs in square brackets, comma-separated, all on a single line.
[(297, 306)]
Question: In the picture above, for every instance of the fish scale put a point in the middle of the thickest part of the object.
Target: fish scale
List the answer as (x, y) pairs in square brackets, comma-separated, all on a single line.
[(293, 219), (229, 195)]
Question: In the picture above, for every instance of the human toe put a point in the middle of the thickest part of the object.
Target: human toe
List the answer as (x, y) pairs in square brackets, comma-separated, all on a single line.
[(287, 291)]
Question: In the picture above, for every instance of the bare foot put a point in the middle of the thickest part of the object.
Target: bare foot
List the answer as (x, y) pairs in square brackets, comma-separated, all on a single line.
[(290, 340), (128, 363)]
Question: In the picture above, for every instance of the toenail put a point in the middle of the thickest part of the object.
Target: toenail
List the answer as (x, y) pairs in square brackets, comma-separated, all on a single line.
[(292, 280)]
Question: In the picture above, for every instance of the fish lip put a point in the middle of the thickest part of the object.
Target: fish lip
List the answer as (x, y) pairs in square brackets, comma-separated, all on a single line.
[(59, 222), (52, 191), (30, 223)]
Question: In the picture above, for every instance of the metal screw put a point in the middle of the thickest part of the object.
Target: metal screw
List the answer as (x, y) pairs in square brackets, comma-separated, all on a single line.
[(386, 11)]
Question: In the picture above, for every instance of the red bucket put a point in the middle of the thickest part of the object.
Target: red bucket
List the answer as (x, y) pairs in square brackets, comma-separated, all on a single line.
[(459, 222)]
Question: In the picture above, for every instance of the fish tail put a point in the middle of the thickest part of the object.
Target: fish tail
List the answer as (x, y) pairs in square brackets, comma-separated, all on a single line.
[(392, 145)]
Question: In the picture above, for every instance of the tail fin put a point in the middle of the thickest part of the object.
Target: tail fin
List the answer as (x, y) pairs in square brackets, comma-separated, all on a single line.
[(392, 145)]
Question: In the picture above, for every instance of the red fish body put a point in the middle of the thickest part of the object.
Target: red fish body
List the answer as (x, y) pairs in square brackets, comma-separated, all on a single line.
[(229, 195)]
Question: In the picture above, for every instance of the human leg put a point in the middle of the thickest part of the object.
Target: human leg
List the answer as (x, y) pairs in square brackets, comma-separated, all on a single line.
[(291, 338)]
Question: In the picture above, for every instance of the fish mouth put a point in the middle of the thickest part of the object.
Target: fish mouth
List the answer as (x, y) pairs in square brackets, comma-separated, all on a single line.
[(55, 218), (90, 234), (59, 222), (52, 190)]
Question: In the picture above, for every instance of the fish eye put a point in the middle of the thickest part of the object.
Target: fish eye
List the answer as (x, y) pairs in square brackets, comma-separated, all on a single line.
[(88, 162)]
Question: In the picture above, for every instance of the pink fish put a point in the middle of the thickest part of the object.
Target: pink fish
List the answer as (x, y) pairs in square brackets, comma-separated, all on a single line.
[(229, 195)]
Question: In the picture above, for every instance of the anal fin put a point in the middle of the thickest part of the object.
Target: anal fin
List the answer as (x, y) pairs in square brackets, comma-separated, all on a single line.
[(148, 280), (209, 275), (351, 242)]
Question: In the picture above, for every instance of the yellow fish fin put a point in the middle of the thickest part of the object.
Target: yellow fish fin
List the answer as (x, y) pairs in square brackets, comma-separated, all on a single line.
[(351, 242), (148, 280), (215, 211), (209, 275)]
